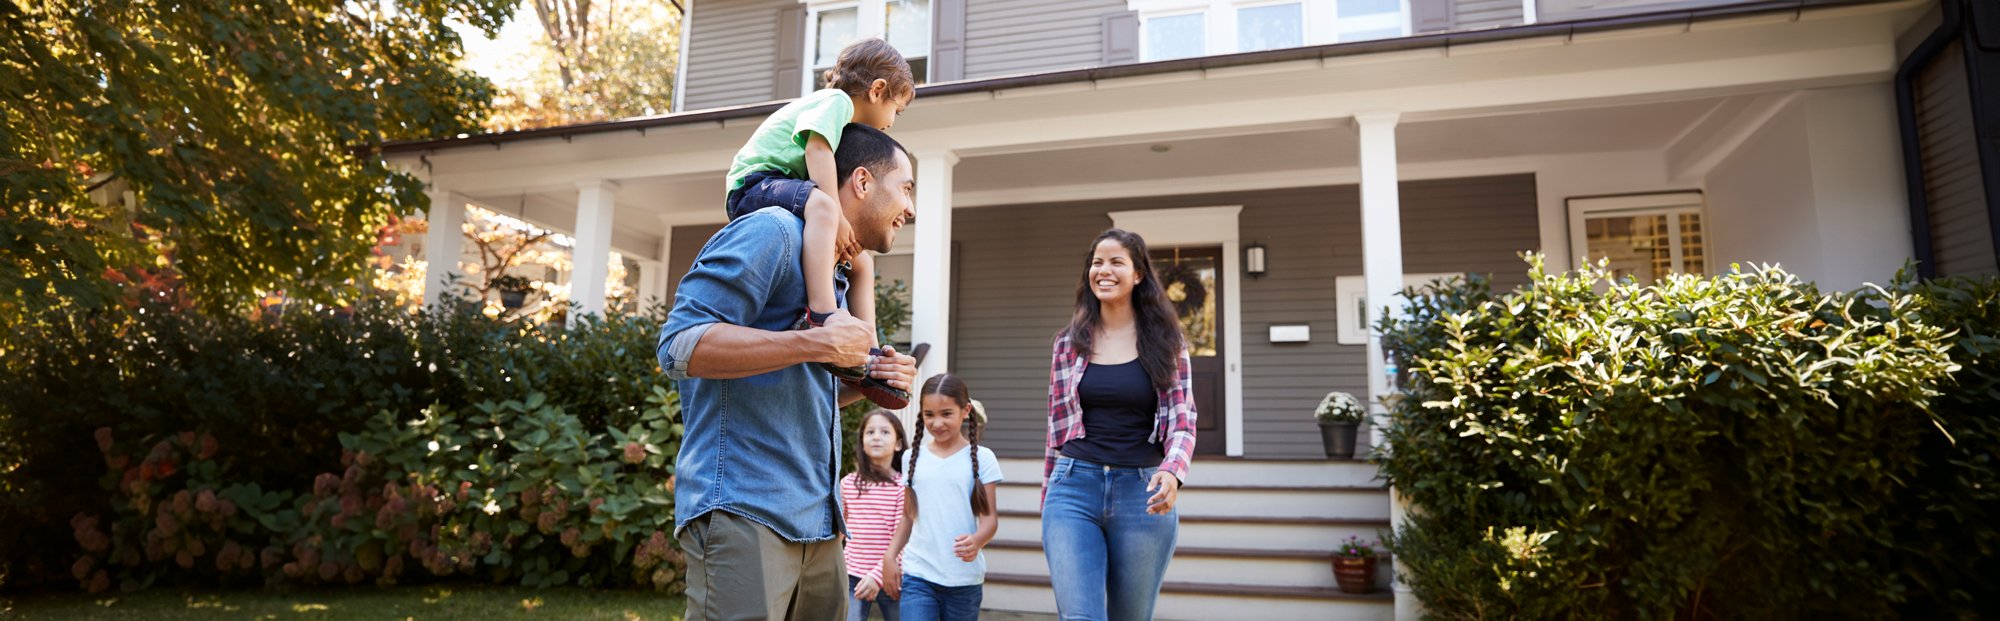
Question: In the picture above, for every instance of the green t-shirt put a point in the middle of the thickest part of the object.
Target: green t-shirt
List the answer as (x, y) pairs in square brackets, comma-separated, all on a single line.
[(780, 143)]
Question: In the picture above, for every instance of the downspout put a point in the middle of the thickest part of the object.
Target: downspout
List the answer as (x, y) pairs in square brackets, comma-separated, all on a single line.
[(1906, 116)]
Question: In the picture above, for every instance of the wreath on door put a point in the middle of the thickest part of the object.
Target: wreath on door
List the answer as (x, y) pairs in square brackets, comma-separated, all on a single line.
[(1182, 283)]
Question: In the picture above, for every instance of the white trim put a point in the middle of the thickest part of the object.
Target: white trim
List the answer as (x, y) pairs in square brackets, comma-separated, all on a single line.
[(871, 20), (1207, 225), (679, 101), (444, 243), (930, 268), (1671, 204), (1529, 13), (1381, 246), (1350, 293), (590, 256)]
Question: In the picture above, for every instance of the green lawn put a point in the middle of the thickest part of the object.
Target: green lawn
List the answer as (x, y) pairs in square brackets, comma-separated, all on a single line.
[(468, 602)]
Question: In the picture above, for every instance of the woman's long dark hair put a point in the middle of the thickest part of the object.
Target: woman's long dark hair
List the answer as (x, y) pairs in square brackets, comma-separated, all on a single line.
[(1160, 337), (950, 387)]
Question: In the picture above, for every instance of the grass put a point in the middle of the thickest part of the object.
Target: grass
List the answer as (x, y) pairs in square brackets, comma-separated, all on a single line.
[(419, 603)]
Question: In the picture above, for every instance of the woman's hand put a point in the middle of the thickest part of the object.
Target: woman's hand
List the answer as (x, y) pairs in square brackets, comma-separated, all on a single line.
[(1166, 490)]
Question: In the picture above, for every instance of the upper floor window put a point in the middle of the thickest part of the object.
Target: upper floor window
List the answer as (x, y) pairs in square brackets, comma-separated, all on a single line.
[(831, 26), (1182, 28)]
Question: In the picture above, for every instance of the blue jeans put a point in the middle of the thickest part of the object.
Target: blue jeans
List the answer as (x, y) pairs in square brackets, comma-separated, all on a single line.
[(1113, 554), (769, 189), (857, 610), (925, 601)]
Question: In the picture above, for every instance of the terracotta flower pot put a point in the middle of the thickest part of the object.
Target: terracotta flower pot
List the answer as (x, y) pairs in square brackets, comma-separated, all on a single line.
[(1355, 575)]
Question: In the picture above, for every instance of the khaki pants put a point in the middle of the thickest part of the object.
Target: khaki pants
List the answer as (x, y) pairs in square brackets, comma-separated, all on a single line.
[(739, 570)]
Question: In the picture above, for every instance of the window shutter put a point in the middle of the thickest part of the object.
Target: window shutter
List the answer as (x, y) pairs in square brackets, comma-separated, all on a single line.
[(1121, 38), (788, 73), (947, 40), (1429, 16)]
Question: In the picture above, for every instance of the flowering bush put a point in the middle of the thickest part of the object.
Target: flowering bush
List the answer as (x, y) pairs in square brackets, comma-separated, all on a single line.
[(1355, 548), (1339, 407), (513, 491)]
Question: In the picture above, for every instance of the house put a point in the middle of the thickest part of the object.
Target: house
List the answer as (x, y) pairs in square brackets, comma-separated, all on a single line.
[(1293, 163)]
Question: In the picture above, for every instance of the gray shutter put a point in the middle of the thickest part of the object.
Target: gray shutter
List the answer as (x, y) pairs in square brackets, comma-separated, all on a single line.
[(1961, 227), (1428, 16), (1121, 38), (947, 40), (788, 75)]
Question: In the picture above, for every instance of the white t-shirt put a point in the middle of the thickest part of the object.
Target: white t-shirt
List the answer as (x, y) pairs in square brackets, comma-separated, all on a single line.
[(944, 511)]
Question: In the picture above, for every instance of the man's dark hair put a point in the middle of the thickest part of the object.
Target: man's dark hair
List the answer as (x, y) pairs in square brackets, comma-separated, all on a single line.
[(862, 146)]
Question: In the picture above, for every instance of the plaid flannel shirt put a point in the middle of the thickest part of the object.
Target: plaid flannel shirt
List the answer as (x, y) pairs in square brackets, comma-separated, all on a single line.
[(1173, 423)]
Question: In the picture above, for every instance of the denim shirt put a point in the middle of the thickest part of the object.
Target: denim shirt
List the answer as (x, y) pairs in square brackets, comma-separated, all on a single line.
[(765, 447)]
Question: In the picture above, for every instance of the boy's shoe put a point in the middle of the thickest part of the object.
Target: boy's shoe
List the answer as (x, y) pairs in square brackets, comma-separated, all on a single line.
[(876, 390)]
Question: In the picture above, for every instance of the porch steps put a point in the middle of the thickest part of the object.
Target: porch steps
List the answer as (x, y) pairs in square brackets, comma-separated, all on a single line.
[(1255, 535)]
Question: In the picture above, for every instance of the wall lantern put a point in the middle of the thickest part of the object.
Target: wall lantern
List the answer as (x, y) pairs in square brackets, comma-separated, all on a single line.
[(1253, 260)]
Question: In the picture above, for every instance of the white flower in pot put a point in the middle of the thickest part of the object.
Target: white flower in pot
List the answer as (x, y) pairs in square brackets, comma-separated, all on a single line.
[(1339, 417)]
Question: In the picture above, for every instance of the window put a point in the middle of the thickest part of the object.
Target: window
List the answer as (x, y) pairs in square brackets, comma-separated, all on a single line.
[(1643, 237), (831, 26), (1270, 27), (1182, 28), (1174, 36)]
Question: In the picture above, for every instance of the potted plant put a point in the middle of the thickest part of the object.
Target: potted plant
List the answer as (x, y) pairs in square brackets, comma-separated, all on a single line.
[(1354, 566), (1339, 415), (513, 290)]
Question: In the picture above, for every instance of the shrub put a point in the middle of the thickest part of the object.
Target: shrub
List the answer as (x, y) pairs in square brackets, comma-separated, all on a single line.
[(1735, 446), (514, 491), (277, 392)]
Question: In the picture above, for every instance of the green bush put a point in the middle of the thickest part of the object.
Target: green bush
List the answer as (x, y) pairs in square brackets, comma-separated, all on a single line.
[(278, 392), (506, 492), (1726, 447)]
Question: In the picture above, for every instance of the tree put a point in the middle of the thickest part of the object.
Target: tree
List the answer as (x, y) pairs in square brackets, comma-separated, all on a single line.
[(233, 144), (596, 61)]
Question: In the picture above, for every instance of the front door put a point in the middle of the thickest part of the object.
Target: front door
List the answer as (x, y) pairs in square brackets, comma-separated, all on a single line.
[(1192, 277)]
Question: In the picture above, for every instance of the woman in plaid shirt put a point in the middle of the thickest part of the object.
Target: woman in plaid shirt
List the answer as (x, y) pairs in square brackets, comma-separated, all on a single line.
[(1121, 431)]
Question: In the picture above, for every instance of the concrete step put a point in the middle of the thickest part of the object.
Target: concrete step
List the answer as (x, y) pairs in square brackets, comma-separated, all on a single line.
[(1185, 601), (1366, 501), (1194, 565), (1253, 533), (1223, 472)]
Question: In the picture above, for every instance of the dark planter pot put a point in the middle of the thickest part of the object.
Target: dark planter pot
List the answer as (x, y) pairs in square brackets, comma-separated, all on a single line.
[(513, 299), (1339, 439), (1355, 575)]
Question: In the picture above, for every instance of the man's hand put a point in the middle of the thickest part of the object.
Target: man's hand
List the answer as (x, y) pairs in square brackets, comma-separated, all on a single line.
[(847, 338), (894, 368), (866, 590)]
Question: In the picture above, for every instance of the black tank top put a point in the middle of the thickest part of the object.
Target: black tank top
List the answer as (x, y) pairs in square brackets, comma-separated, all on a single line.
[(1118, 405)]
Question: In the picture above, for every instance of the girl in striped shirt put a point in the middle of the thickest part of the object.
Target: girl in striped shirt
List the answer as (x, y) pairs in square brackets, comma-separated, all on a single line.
[(873, 500)]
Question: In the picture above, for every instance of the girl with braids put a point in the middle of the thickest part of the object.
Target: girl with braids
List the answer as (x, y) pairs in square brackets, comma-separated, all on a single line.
[(872, 498), (950, 512), (788, 163), (1121, 431)]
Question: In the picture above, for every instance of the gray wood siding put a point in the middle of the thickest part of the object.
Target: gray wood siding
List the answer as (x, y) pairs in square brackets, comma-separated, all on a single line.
[(1009, 37), (1018, 268), (1961, 228), (732, 49), (1476, 14)]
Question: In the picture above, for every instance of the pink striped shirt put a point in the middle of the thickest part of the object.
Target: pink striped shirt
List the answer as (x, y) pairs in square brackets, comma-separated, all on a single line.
[(872, 514)]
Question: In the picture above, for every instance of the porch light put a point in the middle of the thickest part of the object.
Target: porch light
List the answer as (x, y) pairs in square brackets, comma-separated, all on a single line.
[(1253, 259)]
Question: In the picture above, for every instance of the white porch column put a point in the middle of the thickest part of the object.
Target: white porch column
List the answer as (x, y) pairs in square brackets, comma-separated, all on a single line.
[(1382, 267), (930, 294), (651, 279), (595, 200), (443, 243)]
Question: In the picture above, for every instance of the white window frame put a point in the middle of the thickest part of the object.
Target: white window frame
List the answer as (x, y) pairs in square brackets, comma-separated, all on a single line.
[(871, 20), (1670, 204), (1322, 20)]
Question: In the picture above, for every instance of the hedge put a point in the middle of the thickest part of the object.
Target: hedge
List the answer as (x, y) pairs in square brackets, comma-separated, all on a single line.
[(1737, 446)]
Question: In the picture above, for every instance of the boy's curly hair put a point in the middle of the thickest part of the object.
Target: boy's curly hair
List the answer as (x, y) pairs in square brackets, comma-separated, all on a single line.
[(863, 62)]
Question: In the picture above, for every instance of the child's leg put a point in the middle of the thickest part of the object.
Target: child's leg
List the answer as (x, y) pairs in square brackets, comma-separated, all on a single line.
[(823, 220), (861, 287)]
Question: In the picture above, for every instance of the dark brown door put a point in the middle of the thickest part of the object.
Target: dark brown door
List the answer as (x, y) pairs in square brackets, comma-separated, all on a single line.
[(1192, 277)]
